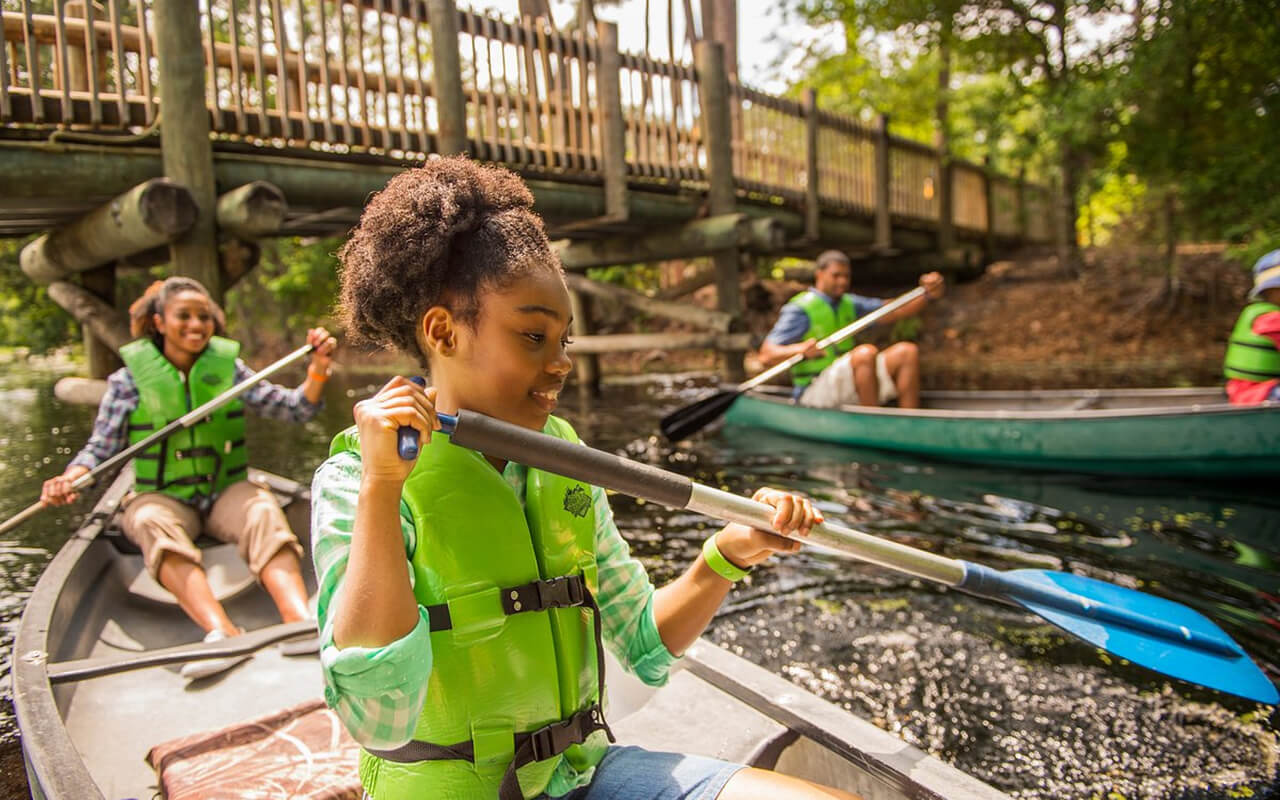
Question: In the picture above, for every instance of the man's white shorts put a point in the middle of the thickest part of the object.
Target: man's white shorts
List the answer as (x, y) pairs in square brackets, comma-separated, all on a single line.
[(834, 385)]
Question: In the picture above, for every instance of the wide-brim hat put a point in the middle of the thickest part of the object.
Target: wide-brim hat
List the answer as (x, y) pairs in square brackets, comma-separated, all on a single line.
[(1266, 274)]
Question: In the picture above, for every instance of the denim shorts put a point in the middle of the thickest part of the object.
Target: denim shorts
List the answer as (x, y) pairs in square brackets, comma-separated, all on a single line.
[(633, 773)]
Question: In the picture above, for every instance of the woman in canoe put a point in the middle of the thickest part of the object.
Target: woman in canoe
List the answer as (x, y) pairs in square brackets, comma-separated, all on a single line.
[(464, 600), (194, 481)]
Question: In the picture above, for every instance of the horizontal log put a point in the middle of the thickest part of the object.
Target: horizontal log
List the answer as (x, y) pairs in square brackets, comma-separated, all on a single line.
[(91, 311), (253, 210), (694, 239), (693, 315), (631, 342), (691, 284), (65, 170), (148, 215), (80, 391)]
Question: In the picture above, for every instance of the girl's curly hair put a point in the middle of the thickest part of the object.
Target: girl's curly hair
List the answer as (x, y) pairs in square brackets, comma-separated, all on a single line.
[(153, 301), (440, 234)]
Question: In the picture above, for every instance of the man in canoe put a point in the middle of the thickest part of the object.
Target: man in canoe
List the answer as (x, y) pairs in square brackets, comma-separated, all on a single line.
[(1252, 363), (844, 374)]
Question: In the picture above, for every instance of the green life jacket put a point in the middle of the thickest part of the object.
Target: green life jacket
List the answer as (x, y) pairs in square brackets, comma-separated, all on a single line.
[(1251, 357), (823, 321), (517, 671), (205, 458)]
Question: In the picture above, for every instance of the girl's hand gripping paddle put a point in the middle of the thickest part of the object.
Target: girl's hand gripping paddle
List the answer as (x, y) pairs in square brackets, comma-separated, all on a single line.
[(407, 437)]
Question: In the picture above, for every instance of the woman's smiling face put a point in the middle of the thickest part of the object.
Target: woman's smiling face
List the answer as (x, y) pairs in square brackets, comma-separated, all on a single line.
[(511, 362), (186, 323)]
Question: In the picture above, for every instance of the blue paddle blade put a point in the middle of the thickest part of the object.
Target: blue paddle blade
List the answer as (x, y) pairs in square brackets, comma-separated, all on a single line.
[(1150, 631)]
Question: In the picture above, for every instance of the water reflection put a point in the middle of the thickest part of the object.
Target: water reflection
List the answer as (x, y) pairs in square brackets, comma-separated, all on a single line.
[(996, 691)]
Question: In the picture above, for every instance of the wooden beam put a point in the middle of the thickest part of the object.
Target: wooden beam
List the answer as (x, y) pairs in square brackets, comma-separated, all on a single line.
[(184, 136), (883, 225), (149, 215), (613, 126), (100, 357), (100, 319), (451, 110), (691, 284), (251, 211), (699, 238), (630, 342), (812, 203), (702, 317)]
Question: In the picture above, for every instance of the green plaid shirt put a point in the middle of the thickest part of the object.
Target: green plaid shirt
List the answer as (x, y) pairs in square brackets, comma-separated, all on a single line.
[(379, 692)]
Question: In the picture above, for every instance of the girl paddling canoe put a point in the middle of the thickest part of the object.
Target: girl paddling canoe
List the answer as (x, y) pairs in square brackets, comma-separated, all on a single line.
[(194, 481), (463, 600)]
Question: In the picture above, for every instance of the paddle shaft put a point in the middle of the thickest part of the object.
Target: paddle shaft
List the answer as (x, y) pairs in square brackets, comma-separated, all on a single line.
[(513, 443), (839, 336), (187, 420)]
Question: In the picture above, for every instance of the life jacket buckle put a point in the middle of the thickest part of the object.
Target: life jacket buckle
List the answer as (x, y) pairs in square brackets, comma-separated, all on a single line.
[(562, 592), (554, 739)]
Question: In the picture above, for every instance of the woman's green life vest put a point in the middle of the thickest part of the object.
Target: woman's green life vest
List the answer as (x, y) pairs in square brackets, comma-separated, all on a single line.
[(494, 674), (1251, 357), (823, 321), (205, 458)]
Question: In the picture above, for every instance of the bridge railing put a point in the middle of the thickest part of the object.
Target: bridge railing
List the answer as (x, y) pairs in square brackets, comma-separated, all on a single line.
[(356, 77)]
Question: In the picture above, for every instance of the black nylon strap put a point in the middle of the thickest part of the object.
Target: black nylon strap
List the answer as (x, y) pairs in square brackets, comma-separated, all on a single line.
[(565, 592), (539, 745)]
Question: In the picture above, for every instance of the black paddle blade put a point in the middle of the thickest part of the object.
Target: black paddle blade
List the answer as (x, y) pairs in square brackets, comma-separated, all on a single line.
[(684, 422)]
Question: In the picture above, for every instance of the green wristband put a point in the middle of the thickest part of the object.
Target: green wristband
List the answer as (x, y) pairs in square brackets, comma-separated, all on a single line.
[(719, 564)]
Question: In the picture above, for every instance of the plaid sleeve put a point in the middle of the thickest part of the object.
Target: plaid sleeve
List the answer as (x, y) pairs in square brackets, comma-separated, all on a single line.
[(379, 692), (626, 601), (273, 401), (111, 427)]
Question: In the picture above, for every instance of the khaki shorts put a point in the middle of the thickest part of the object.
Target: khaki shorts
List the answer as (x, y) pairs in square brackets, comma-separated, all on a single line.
[(834, 385), (245, 515)]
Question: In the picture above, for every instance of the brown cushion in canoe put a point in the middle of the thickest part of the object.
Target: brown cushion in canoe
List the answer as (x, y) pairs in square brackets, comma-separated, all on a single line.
[(301, 752)]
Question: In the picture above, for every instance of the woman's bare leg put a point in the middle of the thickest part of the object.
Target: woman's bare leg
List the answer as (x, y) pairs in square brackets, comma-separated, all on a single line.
[(751, 783), (187, 582)]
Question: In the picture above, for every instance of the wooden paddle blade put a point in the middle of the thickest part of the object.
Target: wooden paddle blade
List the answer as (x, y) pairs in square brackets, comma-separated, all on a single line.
[(684, 422)]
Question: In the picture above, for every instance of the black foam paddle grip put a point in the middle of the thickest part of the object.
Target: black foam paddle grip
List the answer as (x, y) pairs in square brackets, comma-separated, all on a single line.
[(596, 467)]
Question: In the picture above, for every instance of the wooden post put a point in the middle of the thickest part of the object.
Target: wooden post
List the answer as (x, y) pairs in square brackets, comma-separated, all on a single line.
[(812, 209), (1022, 205), (184, 136), (717, 138), (99, 355), (884, 230), (451, 108), (586, 365), (149, 215), (946, 199), (612, 123), (989, 200), (77, 60)]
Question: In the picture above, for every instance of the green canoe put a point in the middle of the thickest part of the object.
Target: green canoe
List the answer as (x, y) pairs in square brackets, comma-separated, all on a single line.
[(1182, 433)]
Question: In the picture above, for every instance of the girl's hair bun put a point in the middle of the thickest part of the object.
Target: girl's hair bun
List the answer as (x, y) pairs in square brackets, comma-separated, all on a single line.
[(439, 234)]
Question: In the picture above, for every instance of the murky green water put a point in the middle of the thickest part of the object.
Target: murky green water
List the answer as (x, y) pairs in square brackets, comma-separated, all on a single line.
[(997, 692)]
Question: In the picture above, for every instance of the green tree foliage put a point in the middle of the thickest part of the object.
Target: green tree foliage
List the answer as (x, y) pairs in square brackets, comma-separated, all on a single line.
[(28, 317), (292, 289)]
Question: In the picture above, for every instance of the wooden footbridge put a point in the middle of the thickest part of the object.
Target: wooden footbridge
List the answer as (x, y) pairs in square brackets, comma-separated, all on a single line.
[(146, 131)]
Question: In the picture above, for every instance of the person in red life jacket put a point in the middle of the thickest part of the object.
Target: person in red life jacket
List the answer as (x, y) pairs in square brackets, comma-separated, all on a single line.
[(464, 600), (1252, 362), (845, 374), (194, 480)]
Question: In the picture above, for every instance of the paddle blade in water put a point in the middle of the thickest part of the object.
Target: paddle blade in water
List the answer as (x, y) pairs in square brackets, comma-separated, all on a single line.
[(684, 422), (1150, 631)]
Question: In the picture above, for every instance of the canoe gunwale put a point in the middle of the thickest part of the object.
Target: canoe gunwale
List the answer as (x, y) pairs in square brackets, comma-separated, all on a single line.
[(1064, 414), (54, 764), (905, 769)]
